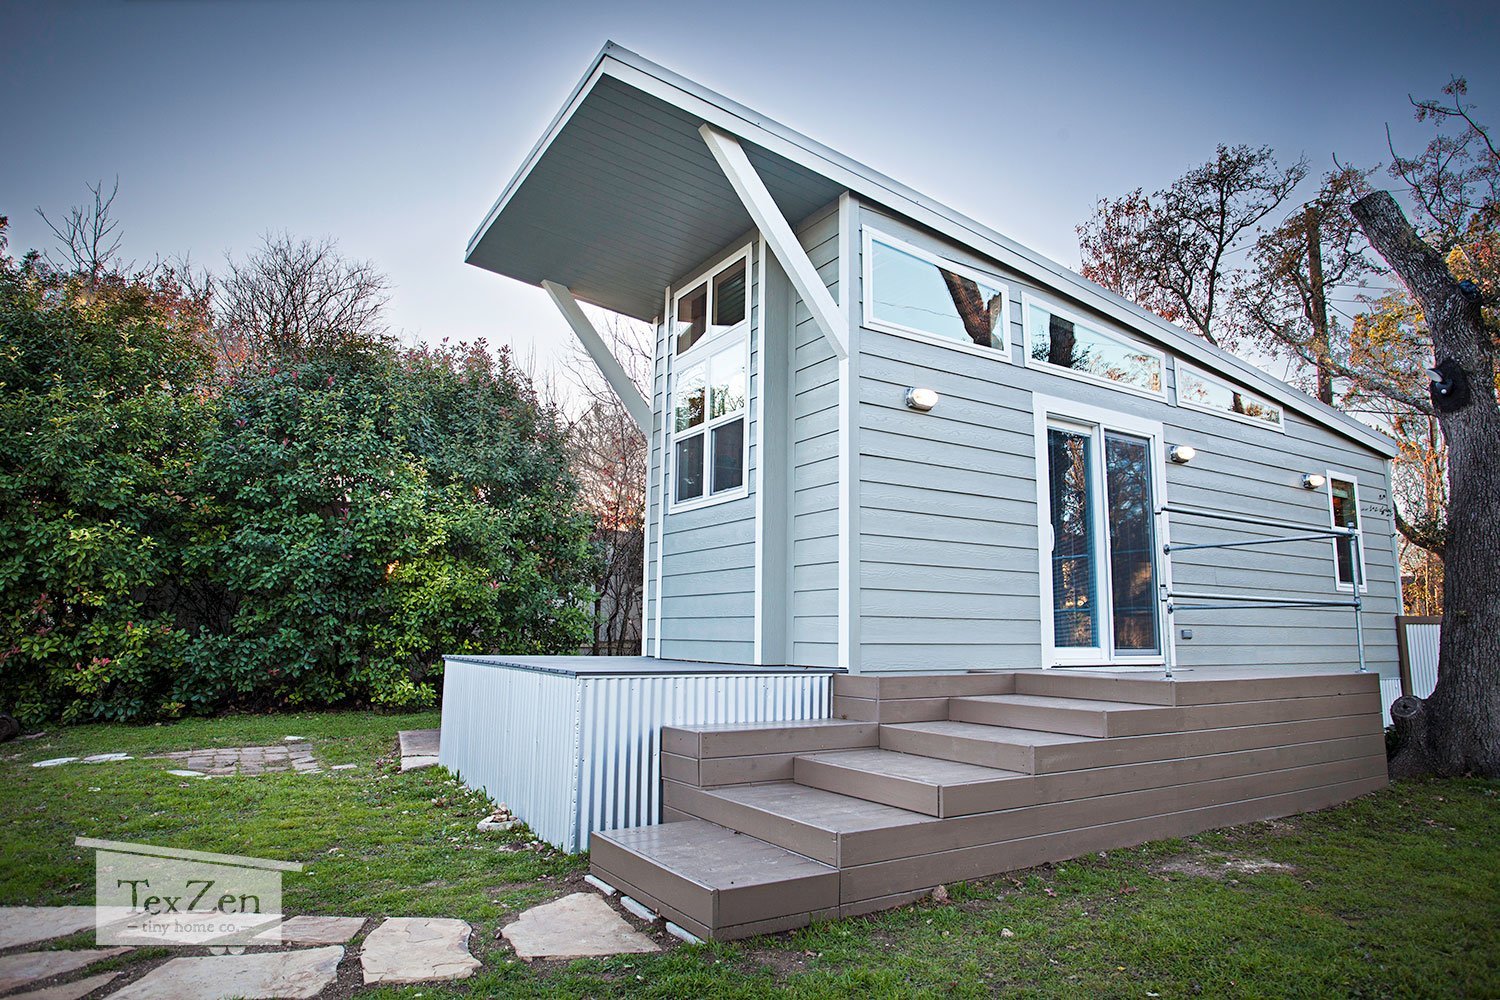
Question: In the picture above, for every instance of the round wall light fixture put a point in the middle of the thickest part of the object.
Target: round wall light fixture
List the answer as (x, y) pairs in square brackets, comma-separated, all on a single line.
[(1182, 454), (1313, 481), (921, 400)]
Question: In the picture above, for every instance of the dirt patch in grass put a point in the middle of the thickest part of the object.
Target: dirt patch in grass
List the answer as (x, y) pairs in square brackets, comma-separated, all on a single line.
[(1220, 866)]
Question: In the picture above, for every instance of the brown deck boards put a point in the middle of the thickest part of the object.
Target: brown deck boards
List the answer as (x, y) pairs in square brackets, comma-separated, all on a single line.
[(942, 777)]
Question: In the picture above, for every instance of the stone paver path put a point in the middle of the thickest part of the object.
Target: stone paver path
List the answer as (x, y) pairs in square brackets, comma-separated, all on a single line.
[(417, 950), (582, 925), (258, 976), (68, 991), (419, 748), (246, 760), (30, 966), (316, 930), (21, 925)]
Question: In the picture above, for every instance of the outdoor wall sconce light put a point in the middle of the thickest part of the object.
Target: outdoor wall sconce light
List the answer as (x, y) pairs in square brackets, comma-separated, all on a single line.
[(921, 400), (1182, 454), (1313, 481)]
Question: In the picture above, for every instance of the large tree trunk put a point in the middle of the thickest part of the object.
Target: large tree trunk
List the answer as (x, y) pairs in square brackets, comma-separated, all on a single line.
[(1456, 730)]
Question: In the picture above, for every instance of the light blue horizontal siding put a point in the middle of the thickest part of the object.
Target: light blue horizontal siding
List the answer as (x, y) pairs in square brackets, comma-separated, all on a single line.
[(814, 476), (948, 533)]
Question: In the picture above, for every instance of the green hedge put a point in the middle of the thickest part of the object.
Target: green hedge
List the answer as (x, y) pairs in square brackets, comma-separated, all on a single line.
[(174, 540)]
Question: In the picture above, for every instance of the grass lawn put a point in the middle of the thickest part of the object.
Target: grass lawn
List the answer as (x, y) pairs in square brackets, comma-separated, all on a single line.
[(1397, 894)]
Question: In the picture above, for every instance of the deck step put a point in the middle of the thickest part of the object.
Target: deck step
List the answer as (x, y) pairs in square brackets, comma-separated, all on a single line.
[(713, 881), (1076, 716), (809, 821), (929, 785), (1002, 747), (1139, 689)]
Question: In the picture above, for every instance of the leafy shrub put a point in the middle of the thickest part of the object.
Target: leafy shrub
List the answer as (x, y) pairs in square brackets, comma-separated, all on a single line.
[(299, 534)]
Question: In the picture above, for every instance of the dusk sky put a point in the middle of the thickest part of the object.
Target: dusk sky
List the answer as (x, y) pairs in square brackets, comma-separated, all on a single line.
[(393, 127)]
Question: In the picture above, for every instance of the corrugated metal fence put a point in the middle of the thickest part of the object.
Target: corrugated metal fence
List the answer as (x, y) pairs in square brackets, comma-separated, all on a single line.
[(1417, 649), (571, 753)]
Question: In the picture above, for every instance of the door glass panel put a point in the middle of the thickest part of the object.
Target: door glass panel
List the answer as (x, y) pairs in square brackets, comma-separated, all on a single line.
[(689, 468), (689, 409), (729, 455), (1132, 556), (729, 296), (1070, 481), (692, 317)]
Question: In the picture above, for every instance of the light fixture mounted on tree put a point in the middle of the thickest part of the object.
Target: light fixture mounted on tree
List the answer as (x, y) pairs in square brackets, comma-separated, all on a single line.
[(1450, 386)]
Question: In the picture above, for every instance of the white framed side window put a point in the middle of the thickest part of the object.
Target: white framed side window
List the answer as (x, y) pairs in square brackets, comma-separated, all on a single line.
[(1199, 390), (1100, 481), (708, 408), (1064, 343), (913, 293), (1343, 512)]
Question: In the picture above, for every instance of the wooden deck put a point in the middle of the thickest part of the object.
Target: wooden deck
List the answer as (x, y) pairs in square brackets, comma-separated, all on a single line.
[(929, 779)]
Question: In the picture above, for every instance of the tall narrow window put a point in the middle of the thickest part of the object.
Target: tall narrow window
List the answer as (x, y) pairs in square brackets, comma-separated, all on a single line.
[(1343, 499), (1103, 543), (710, 391)]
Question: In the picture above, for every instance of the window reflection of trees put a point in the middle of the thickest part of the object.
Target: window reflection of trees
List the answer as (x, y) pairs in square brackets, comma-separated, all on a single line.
[(1073, 569), (1127, 480)]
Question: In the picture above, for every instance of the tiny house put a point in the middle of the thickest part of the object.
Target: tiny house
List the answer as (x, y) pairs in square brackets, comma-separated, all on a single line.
[(886, 438), (889, 443)]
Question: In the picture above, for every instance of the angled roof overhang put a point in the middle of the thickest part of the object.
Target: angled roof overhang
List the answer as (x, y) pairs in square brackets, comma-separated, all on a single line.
[(621, 197)]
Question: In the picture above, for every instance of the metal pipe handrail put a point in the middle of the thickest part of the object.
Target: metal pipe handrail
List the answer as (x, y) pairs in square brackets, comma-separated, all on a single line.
[(1268, 522), (1312, 536), (1241, 602), (1251, 598)]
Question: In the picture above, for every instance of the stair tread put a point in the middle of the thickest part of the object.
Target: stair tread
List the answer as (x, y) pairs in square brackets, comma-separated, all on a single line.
[(1056, 702), (715, 856), (914, 767), (816, 808), (997, 734)]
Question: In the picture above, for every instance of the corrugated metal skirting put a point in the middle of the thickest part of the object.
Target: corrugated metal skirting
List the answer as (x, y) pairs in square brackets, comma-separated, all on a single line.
[(573, 754)]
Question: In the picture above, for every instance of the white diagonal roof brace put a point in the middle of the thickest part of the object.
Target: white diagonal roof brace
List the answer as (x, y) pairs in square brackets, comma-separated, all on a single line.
[(779, 237), (604, 359)]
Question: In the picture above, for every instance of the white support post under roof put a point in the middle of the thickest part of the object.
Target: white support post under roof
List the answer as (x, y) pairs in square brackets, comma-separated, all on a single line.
[(779, 236), (608, 365)]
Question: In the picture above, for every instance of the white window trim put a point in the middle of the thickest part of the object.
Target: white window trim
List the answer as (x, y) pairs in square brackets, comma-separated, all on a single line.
[(1188, 404), (1049, 411), (710, 343), (1364, 576), (872, 322), (1029, 299)]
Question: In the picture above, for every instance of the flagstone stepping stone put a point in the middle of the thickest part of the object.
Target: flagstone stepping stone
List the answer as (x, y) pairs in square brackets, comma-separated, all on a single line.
[(54, 761), (417, 950), (104, 758), (315, 930), (245, 760), (187, 774), (266, 975), (29, 924), (578, 926), (29, 966), (419, 748), (69, 991)]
